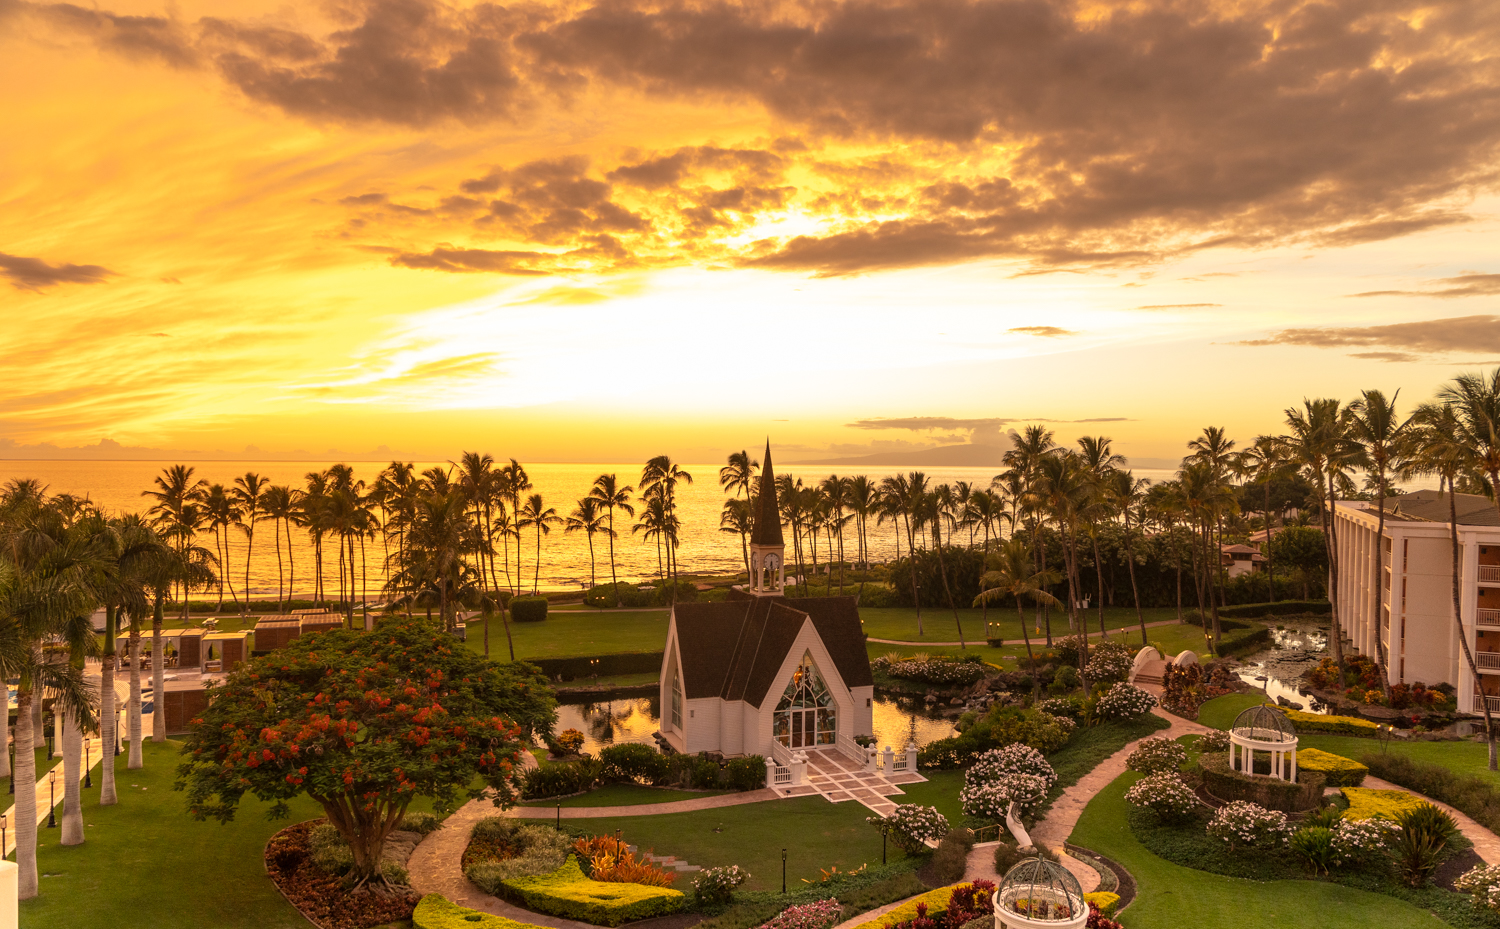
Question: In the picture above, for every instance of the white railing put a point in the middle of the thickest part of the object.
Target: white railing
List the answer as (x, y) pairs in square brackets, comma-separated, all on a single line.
[(780, 753), (1489, 573), (1488, 660), (1494, 703), (780, 775), (845, 743), (1487, 617)]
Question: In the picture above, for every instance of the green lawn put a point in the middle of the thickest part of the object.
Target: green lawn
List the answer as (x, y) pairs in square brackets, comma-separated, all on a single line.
[(940, 791), (1220, 712), (627, 795), (1170, 896), (1458, 757), (574, 632), (937, 623), (815, 833)]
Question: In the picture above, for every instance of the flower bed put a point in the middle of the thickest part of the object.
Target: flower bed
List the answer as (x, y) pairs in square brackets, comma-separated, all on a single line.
[(1154, 756), (1337, 770), (568, 894), (1365, 802), (320, 895), (818, 915), (1340, 725)]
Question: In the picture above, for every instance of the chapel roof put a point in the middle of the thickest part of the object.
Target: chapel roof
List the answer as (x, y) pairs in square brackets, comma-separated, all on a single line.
[(733, 649), (767, 529)]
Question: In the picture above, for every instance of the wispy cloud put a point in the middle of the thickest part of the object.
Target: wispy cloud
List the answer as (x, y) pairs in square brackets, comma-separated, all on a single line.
[(1455, 334), (1470, 284), (1046, 332), (36, 275)]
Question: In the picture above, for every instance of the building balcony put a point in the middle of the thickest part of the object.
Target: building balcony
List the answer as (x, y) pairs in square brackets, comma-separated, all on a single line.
[(1480, 701), (1489, 574), (1487, 617), (1487, 661)]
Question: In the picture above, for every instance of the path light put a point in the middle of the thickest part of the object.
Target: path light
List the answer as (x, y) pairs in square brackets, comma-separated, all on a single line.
[(46, 726), (783, 870), (885, 828), (52, 798), (4, 842), (559, 816), (12, 778), (88, 776)]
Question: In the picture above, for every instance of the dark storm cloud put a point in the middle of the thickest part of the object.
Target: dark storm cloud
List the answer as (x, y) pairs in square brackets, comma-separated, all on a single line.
[(1471, 284), (1038, 130), (35, 274), (1456, 334)]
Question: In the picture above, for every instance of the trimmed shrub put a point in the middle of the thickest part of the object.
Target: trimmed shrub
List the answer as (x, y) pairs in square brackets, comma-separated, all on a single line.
[(568, 894), (528, 609), (1269, 792), (632, 761), (1248, 825), (1278, 608), (604, 596), (1337, 770), (421, 823), (1367, 802), (946, 672), (1007, 856), (436, 911), (911, 825), (1166, 794), (1110, 660), (715, 886), (748, 773), (1339, 725), (1124, 701), (585, 666), (1156, 755), (1000, 726), (1104, 901), (1468, 793), (560, 778), (531, 851), (952, 856), (1421, 843), (1215, 740)]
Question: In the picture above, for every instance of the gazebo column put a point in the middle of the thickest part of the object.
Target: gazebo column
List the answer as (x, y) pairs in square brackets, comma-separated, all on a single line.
[(1294, 763)]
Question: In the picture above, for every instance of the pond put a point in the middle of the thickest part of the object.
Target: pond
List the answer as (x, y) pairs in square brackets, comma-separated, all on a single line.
[(1296, 645), (634, 719)]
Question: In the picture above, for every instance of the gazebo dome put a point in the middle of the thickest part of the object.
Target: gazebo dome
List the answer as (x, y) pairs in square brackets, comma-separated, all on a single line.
[(1263, 724), (1039, 894)]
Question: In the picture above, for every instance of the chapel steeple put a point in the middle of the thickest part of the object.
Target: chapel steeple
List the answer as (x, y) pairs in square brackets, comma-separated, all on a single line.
[(767, 550)]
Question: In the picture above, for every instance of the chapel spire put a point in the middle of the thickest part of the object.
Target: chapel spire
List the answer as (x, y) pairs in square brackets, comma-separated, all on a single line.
[(767, 550)]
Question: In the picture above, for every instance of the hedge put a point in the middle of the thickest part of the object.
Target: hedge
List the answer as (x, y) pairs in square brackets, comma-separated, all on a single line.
[(568, 894), (1271, 793), (602, 665), (1338, 770), (1468, 793), (1104, 900), (1247, 641), (435, 911), (1340, 725), (1278, 608), (936, 901), (528, 609), (1367, 802)]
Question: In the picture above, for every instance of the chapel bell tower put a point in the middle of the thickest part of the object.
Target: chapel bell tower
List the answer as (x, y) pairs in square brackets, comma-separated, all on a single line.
[(767, 550)]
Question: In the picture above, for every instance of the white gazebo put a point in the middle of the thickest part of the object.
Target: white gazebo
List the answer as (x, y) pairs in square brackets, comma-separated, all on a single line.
[(1040, 894), (1262, 729)]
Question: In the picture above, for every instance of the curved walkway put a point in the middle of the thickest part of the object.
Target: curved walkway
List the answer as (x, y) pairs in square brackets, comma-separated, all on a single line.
[(643, 809), (1092, 635)]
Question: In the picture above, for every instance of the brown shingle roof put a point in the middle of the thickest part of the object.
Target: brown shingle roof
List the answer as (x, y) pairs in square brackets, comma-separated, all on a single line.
[(767, 529), (1431, 506), (734, 649)]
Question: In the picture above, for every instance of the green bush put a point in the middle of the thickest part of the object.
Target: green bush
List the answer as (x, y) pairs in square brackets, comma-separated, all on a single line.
[(435, 911), (528, 609), (420, 822), (1314, 845), (604, 596), (535, 850), (1007, 856), (1000, 726), (1279, 608), (1269, 792), (328, 849), (748, 773), (560, 778), (875, 596), (578, 666), (1422, 843), (568, 894), (951, 858), (1240, 642), (1337, 770), (632, 761), (1338, 725)]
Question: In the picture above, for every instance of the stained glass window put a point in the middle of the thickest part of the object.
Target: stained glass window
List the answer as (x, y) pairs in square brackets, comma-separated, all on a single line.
[(676, 699), (806, 715)]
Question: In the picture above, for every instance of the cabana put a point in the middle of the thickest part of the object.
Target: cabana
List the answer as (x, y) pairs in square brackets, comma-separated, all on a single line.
[(226, 650)]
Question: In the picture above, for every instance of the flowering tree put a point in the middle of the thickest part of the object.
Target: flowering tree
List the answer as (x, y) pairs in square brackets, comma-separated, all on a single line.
[(363, 723), (912, 825)]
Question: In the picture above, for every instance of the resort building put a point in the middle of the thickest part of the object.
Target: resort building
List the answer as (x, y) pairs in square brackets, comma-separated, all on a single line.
[(1415, 617), (764, 674), (1240, 559)]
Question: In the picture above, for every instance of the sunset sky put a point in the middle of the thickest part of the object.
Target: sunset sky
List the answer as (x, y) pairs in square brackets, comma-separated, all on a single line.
[(597, 231)]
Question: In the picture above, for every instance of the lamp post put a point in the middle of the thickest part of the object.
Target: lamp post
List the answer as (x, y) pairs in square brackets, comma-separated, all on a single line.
[(884, 831), (119, 728), (88, 777), (47, 726), (783, 870), (559, 816), (52, 799), (12, 778), (4, 841)]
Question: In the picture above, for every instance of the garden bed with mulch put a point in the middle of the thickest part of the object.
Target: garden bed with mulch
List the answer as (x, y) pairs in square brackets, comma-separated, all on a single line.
[(321, 896)]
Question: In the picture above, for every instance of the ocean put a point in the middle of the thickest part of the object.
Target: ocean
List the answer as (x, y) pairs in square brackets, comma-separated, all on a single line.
[(117, 487)]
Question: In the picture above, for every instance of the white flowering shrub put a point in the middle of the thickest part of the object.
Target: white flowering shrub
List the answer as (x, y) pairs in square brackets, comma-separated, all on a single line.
[(1359, 843), (1156, 755), (911, 825), (1165, 794), (1061, 707), (1015, 758), (1124, 701), (716, 885), (819, 915), (936, 670), (1064, 723), (993, 798), (1109, 661), (1483, 881), (1243, 824), (1215, 740)]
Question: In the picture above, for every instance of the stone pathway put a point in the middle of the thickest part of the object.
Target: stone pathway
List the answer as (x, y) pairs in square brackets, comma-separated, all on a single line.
[(1486, 843), (644, 809), (1092, 635)]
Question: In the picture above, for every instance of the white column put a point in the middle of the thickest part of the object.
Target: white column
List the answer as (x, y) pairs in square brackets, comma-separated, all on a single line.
[(1294, 763)]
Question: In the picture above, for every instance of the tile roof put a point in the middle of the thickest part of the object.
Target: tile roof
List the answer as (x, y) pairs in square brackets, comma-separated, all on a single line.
[(734, 649)]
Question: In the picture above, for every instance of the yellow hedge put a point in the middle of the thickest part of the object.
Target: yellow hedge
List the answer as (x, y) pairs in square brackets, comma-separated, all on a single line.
[(566, 892), (935, 899), (1367, 802), (1338, 770), (435, 911), (1317, 722), (1105, 901)]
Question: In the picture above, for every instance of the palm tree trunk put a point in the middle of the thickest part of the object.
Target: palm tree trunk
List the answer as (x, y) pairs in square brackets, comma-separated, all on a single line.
[(1379, 618), (107, 715), (280, 575), (158, 678), (916, 588), (536, 575), (25, 784), (1135, 591), (5, 732), (1326, 516), (249, 549), (592, 581), (134, 707), (1099, 576), (72, 749), (1463, 634), (1036, 685), (943, 572), (291, 565), (1270, 568)]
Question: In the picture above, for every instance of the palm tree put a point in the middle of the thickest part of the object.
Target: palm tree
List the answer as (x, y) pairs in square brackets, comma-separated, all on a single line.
[(738, 476), (1436, 448), (280, 504), (1380, 434), (940, 506), (1475, 402), (587, 519), (737, 518), (313, 518), (513, 483), (174, 512), (537, 515), (611, 495), (1098, 460), (1265, 461), (864, 501), (1128, 495), (905, 495), (836, 492), (248, 492), (1032, 446), (1010, 574), (661, 476), (1216, 450)]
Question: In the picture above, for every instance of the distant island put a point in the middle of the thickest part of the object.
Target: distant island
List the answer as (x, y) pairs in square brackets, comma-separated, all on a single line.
[(955, 456)]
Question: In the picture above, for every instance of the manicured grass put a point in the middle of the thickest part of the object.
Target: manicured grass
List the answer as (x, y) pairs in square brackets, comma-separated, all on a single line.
[(574, 632), (940, 791), (937, 623), (628, 795), (1220, 712), (816, 834), (146, 863), (1170, 896), (614, 680), (1458, 757)]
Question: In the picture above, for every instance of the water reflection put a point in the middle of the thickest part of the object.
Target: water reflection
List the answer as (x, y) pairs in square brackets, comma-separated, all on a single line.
[(1276, 670), (634, 719)]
